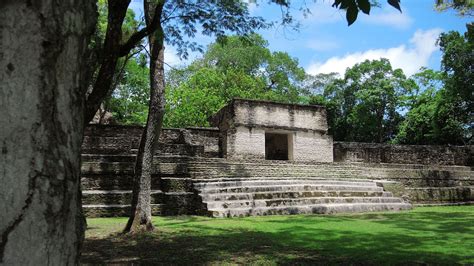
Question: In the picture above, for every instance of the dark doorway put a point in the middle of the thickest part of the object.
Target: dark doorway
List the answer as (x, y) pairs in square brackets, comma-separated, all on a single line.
[(276, 146)]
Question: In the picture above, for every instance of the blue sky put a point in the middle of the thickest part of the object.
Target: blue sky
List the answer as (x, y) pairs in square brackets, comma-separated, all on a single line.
[(325, 43)]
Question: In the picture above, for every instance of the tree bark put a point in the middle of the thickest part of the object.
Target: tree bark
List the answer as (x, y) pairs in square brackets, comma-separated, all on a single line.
[(42, 49), (140, 217)]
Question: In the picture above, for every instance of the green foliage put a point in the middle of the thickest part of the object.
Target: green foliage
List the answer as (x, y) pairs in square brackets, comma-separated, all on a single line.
[(463, 7), (417, 127), (241, 67), (443, 112), (454, 116), (129, 101), (207, 91), (365, 105)]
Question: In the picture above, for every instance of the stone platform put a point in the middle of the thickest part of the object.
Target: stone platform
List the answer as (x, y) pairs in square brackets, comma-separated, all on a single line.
[(190, 178)]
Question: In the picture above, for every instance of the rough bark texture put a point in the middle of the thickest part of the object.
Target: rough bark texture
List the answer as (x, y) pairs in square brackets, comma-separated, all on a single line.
[(140, 218), (42, 44)]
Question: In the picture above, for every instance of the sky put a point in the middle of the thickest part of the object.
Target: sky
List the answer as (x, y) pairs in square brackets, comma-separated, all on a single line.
[(325, 43)]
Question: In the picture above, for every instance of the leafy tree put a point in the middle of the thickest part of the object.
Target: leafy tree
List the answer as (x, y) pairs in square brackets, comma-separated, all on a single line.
[(443, 112), (454, 117), (418, 124), (174, 21), (234, 67), (129, 101), (207, 91), (365, 105), (463, 7)]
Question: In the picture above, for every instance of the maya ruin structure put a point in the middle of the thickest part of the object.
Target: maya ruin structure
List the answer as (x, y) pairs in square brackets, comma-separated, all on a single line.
[(264, 158)]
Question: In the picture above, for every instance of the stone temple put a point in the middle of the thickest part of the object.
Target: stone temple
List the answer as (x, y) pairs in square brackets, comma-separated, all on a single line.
[(264, 158), (273, 131)]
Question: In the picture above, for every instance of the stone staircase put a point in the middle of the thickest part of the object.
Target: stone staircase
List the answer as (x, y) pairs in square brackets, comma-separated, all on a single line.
[(242, 197), (418, 184), (107, 185), (236, 188)]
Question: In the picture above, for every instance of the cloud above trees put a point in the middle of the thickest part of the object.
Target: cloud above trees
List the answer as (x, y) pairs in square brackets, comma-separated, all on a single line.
[(409, 57)]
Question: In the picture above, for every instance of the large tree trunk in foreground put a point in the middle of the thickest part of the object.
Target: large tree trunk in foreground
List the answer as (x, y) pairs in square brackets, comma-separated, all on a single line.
[(140, 217), (42, 45)]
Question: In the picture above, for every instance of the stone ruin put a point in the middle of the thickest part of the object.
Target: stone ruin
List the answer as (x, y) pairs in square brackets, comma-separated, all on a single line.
[(264, 158), (273, 131)]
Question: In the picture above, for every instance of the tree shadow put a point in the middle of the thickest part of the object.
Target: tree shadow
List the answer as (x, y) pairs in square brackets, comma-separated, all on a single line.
[(297, 242)]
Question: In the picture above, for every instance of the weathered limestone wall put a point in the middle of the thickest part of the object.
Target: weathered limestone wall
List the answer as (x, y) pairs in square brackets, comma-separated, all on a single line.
[(119, 139), (253, 140), (312, 146), (279, 116), (403, 154)]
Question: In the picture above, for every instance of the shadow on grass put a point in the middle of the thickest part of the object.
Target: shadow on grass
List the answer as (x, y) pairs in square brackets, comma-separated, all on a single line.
[(425, 238)]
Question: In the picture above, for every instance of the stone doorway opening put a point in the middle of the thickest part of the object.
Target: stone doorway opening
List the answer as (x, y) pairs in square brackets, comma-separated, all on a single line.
[(278, 146)]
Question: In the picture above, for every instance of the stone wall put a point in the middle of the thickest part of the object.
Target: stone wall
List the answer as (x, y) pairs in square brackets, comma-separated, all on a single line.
[(120, 139), (312, 146), (403, 154), (279, 116)]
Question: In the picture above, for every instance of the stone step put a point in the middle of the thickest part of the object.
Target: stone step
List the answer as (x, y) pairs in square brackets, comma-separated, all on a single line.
[(295, 175), (332, 167), (289, 188), (265, 182), (310, 209), (116, 197), (293, 194), (441, 194), (296, 180), (115, 210), (172, 203), (297, 202), (128, 168), (124, 147), (223, 163), (407, 176), (125, 182), (130, 158)]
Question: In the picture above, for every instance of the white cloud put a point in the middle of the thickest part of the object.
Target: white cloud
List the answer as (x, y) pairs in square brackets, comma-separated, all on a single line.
[(389, 17), (171, 58), (407, 57)]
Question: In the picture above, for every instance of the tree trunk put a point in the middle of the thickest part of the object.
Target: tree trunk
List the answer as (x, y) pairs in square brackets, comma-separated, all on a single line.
[(140, 217), (42, 46), (110, 55)]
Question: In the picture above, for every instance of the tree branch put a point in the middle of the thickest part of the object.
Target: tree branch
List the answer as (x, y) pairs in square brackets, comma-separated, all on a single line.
[(139, 35)]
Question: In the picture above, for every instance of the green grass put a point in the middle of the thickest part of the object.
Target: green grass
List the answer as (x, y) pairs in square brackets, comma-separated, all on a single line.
[(432, 235)]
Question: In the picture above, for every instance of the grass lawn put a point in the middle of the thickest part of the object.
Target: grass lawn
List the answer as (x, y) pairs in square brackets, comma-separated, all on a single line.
[(432, 235)]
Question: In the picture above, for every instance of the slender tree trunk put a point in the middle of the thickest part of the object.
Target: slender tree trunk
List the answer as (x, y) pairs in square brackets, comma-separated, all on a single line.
[(140, 217), (42, 49)]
